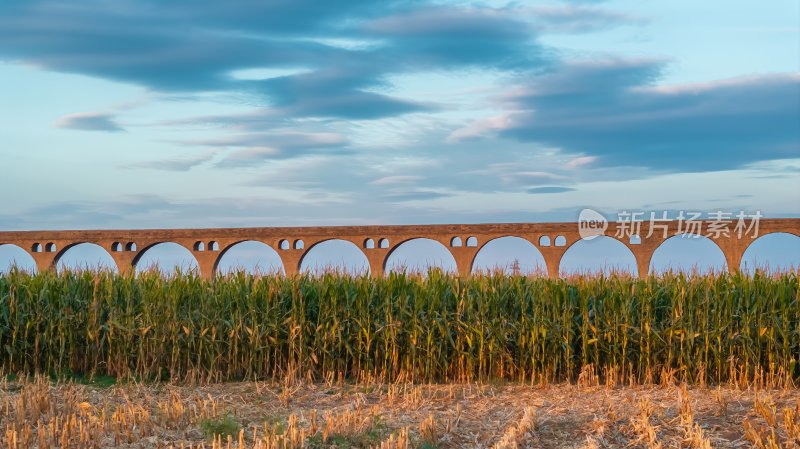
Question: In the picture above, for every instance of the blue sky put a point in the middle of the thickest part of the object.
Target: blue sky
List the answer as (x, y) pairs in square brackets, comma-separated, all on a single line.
[(131, 114)]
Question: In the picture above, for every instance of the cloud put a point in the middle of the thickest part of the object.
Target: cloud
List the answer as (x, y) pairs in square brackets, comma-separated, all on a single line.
[(332, 93), (576, 18), (396, 179), (613, 111), (89, 121), (182, 46), (439, 37), (195, 46), (480, 128), (413, 195), (549, 189), (580, 162), (249, 157), (252, 149), (288, 140), (175, 164), (529, 177), (256, 148)]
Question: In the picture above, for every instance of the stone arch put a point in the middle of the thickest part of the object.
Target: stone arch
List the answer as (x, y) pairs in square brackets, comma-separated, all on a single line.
[(784, 248), (339, 255), (420, 264), (15, 256), (602, 254), (80, 256), (687, 253), (528, 258), (369, 243), (250, 260), (180, 255)]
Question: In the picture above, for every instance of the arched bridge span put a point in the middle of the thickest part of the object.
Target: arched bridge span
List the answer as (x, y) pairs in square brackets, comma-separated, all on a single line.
[(377, 242)]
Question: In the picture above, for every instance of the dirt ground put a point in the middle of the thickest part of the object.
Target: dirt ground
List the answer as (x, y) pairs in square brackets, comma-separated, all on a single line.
[(38, 413)]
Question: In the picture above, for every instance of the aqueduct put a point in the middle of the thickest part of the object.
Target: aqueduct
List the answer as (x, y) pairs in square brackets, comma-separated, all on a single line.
[(464, 241)]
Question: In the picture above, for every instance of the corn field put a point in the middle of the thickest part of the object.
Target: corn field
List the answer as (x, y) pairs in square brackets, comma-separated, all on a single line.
[(710, 328)]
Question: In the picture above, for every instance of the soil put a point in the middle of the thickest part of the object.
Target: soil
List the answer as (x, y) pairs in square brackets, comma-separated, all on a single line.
[(367, 415)]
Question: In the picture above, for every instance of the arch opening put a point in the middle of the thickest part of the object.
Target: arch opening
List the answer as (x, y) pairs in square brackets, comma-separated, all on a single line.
[(251, 257), (773, 253), (688, 253), (299, 244), (383, 243), (199, 246), (509, 255), (36, 248), (130, 246), (601, 254), (561, 241), (419, 256), (472, 242), (213, 245), (455, 242), (85, 257), (337, 256), (544, 241), (116, 247), (50, 247), (12, 256), (369, 244), (168, 258), (284, 245)]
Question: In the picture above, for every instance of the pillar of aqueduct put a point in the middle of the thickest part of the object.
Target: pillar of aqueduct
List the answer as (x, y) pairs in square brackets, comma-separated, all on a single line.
[(377, 242)]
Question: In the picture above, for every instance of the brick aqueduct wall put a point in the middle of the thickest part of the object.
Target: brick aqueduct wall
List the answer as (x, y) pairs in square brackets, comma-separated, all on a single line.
[(377, 242)]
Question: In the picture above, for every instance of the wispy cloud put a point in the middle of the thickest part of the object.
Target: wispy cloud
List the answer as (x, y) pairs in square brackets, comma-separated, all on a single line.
[(291, 140), (254, 148), (413, 195), (249, 157), (481, 128), (549, 189), (184, 163), (396, 179), (576, 18), (530, 177), (581, 161), (89, 121)]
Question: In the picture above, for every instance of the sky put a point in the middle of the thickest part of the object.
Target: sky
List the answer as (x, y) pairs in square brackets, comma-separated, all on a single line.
[(156, 114)]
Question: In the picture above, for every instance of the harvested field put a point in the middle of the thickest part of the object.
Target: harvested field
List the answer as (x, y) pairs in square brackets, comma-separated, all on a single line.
[(38, 413)]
